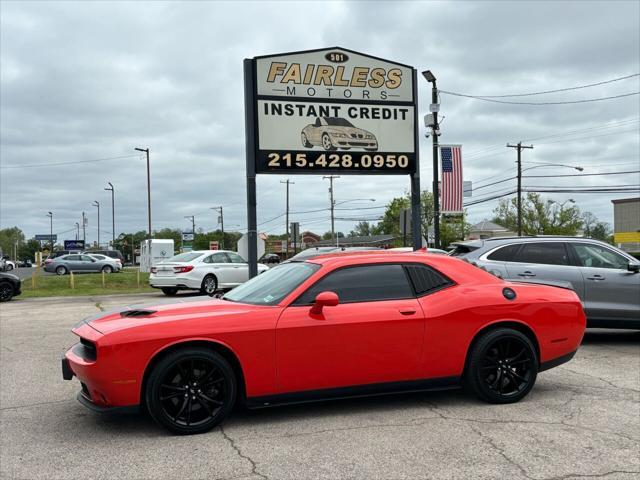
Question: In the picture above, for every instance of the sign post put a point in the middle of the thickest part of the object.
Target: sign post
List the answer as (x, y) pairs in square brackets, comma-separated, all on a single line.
[(328, 111)]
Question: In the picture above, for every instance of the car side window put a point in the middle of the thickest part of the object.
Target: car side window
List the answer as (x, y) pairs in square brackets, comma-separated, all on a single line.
[(596, 256), (425, 279), (366, 283), (545, 253), (505, 254), (235, 258), (86, 258), (73, 258), (218, 258)]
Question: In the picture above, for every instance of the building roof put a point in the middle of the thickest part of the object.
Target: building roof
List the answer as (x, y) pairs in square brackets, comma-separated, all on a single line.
[(488, 226), (626, 200), (366, 240)]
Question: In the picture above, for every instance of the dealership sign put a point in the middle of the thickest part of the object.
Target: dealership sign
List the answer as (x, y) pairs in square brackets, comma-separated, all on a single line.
[(333, 111)]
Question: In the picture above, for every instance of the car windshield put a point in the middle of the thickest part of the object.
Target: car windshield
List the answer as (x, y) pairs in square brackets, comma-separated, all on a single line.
[(272, 286), (337, 122), (185, 257), (313, 252)]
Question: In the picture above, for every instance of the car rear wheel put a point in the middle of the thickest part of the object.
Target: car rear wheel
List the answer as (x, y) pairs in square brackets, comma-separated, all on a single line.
[(326, 142), (305, 141), (191, 391), (209, 285), (107, 269), (6, 291), (502, 366), (61, 270), (9, 267), (170, 291)]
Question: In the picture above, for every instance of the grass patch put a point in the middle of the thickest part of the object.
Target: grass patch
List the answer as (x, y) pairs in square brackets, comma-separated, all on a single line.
[(122, 282)]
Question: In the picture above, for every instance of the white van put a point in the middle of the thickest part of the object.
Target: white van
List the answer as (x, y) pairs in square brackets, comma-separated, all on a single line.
[(154, 251)]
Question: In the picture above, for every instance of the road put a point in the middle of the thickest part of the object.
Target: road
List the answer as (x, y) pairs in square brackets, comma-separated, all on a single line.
[(582, 420)]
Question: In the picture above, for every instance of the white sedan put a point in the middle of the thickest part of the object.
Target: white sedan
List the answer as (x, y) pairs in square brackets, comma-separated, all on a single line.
[(204, 270)]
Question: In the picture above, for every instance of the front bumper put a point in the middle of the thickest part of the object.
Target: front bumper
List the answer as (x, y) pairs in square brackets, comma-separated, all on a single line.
[(356, 143)]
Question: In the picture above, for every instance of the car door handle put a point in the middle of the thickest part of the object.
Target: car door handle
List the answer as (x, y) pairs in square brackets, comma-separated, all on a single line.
[(407, 310), (527, 274), (596, 277)]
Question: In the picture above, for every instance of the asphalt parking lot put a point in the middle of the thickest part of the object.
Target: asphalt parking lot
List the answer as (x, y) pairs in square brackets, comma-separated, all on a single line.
[(582, 420)]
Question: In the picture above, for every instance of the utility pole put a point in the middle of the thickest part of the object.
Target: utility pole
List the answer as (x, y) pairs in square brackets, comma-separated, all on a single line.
[(333, 204), (77, 231), (221, 221), (50, 215), (286, 221), (193, 224), (113, 215), (434, 137), (97, 204), (84, 229), (146, 150), (519, 147)]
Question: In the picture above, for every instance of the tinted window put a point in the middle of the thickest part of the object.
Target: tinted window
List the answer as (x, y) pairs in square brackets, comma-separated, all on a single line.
[(505, 254), (362, 284), (337, 122), (548, 253), (460, 250), (426, 279), (235, 258), (595, 256)]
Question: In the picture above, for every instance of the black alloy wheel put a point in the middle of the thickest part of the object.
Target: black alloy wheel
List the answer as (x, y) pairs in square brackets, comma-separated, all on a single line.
[(502, 367), (209, 285), (191, 391), (6, 291)]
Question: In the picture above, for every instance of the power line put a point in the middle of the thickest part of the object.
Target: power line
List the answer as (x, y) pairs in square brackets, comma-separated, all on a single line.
[(567, 102), (581, 174), (555, 91), (68, 163), (605, 126)]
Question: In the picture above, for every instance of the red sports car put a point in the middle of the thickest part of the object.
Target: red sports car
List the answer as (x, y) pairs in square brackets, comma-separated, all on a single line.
[(335, 326)]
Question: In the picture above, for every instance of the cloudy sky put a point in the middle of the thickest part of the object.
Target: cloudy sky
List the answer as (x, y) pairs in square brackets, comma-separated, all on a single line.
[(84, 81)]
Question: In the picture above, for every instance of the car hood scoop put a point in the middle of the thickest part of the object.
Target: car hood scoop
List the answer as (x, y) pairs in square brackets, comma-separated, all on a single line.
[(137, 312)]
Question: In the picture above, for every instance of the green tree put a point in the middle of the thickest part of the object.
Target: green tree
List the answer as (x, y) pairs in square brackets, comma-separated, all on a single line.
[(8, 238), (362, 229), (28, 249), (539, 216), (390, 222), (601, 231), (327, 235)]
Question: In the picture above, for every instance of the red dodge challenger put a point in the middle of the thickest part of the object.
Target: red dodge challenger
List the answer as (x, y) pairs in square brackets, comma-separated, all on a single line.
[(336, 326)]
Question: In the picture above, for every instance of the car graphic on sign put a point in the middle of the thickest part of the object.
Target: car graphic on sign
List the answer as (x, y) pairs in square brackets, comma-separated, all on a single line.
[(332, 133)]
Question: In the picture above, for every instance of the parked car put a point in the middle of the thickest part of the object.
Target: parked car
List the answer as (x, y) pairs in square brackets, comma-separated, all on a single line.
[(77, 263), (606, 279), (8, 265), (58, 253), (270, 259), (115, 262), (204, 270), (425, 250), (335, 326), (24, 263), (115, 254), (10, 286)]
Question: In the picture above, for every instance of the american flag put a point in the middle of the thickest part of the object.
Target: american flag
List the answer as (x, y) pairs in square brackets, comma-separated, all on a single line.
[(451, 179)]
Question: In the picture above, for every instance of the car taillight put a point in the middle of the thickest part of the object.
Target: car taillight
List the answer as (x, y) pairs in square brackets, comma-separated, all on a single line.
[(47, 261), (186, 269), (154, 270)]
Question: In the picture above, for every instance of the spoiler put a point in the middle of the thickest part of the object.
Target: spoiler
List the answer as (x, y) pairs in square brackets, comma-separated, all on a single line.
[(549, 283)]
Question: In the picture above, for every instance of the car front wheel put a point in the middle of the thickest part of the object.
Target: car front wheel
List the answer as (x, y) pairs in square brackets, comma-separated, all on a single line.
[(191, 391), (502, 366), (6, 291), (326, 142), (9, 267)]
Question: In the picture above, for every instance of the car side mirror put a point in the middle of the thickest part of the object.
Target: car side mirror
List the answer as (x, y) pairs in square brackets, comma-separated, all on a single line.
[(633, 267), (324, 299)]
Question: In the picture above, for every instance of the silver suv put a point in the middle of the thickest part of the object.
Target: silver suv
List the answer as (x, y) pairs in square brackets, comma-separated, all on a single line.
[(606, 279)]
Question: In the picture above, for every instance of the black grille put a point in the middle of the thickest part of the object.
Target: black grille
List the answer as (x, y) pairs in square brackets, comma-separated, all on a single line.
[(426, 279)]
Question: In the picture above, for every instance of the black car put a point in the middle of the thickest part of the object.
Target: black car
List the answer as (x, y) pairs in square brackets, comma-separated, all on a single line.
[(10, 286)]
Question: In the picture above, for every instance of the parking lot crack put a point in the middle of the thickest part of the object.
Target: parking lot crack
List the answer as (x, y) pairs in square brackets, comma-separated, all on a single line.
[(232, 442), (99, 306), (590, 475), (601, 379)]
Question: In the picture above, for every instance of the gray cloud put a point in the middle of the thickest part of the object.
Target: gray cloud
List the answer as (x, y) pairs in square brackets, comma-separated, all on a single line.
[(93, 80)]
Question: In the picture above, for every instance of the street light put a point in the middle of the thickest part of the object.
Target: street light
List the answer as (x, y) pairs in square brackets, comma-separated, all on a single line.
[(50, 215), (146, 150), (113, 215), (356, 200), (434, 107), (221, 221), (97, 204)]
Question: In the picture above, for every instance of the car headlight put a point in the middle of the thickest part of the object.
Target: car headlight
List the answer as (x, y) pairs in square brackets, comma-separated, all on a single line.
[(368, 135), (339, 135)]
